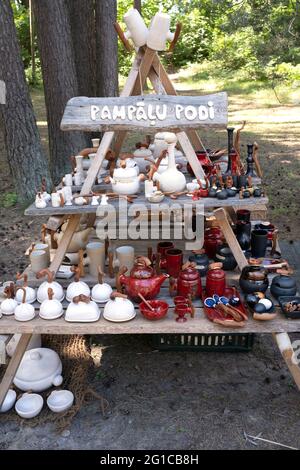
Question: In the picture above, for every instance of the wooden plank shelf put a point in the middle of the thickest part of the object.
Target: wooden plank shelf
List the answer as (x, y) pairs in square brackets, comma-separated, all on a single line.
[(208, 202)]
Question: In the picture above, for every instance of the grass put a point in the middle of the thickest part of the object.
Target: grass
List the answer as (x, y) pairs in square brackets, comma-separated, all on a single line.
[(8, 199)]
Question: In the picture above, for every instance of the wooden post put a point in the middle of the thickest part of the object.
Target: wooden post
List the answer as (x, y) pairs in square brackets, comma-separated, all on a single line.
[(230, 237), (13, 366), (285, 347)]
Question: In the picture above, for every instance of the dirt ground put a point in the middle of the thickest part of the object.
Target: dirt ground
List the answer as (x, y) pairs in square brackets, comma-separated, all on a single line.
[(175, 400)]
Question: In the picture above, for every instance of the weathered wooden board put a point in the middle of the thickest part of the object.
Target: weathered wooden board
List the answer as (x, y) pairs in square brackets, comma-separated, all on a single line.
[(145, 112)]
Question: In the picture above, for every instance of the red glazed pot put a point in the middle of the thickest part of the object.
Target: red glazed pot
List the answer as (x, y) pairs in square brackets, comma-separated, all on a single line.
[(213, 238), (215, 282), (189, 283), (174, 258), (160, 307), (205, 163)]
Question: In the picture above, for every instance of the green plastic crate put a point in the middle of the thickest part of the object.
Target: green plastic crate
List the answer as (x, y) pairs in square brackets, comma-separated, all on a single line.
[(237, 342)]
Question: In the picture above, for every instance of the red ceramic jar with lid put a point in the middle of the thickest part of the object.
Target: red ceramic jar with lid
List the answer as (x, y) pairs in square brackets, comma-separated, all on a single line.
[(189, 283), (215, 280)]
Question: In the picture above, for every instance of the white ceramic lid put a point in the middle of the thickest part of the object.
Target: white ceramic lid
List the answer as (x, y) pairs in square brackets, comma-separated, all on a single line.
[(119, 310), (125, 172), (38, 364), (24, 312)]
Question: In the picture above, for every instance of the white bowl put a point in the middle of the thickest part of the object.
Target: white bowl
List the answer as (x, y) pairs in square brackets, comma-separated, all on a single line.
[(29, 405), (60, 400), (9, 401)]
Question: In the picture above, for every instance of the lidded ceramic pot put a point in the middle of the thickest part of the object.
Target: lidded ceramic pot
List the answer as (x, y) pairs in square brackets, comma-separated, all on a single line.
[(43, 290), (283, 285), (215, 280), (51, 308), (102, 291), (82, 310), (24, 311), (126, 181), (30, 292), (119, 308), (253, 279), (39, 370), (77, 287), (9, 305)]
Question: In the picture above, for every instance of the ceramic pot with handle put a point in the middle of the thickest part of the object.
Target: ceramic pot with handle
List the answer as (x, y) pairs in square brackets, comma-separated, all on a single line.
[(77, 287), (9, 305), (101, 292), (43, 290), (119, 308)]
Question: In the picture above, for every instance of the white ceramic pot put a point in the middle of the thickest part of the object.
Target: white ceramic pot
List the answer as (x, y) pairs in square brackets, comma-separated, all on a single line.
[(82, 311), (77, 288), (60, 400), (29, 405), (159, 32), (55, 287), (137, 30), (9, 401), (40, 202), (8, 306), (129, 163), (24, 312), (35, 342), (119, 309), (171, 180), (125, 181), (39, 370), (51, 308), (102, 291), (139, 156)]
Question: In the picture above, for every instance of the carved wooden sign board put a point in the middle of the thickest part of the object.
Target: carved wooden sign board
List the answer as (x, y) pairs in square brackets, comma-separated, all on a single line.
[(145, 112)]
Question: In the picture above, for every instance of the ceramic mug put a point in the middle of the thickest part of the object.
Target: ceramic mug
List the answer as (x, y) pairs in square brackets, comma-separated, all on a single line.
[(174, 261), (38, 260), (125, 256), (43, 247), (96, 257), (259, 242), (56, 199), (162, 247)]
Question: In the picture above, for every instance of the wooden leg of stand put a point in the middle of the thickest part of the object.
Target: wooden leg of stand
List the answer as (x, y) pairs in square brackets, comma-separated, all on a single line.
[(285, 347), (13, 366), (230, 237)]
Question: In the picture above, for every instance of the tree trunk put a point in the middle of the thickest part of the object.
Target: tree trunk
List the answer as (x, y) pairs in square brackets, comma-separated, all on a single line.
[(82, 20), (138, 5), (26, 159), (60, 82), (107, 48)]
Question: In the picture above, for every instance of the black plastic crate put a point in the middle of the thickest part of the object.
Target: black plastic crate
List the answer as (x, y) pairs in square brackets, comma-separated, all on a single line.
[(237, 342)]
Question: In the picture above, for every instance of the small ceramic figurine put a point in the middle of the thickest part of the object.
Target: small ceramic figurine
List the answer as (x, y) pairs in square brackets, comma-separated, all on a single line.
[(51, 308)]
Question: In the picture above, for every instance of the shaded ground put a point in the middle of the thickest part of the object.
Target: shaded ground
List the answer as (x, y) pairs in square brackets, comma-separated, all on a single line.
[(182, 400)]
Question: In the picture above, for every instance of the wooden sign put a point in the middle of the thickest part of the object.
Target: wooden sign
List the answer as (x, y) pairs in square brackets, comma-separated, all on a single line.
[(144, 112)]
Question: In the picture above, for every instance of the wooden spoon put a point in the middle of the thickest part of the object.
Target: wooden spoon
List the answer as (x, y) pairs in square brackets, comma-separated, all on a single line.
[(146, 302)]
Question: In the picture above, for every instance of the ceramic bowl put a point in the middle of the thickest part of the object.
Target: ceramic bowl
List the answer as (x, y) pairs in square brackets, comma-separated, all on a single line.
[(60, 400), (160, 309), (9, 401), (158, 196), (29, 405)]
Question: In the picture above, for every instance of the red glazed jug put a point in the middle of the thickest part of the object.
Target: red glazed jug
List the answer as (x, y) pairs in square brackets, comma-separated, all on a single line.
[(215, 280)]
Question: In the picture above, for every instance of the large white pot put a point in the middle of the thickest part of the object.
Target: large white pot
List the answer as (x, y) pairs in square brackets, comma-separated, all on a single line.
[(39, 370), (125, 181)]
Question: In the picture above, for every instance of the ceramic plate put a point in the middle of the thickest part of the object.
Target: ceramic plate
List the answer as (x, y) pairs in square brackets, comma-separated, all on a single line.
[(120, 321)]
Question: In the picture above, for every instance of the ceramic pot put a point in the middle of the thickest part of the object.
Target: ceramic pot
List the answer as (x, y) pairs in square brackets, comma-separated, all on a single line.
[(9, 401), (125, 181), (39, 370), (283, 286), (43, 290), (171, 180), (24, 311), (189, 282), (202, 262), (101, 292), (119, 308), (259, 242), (204, 161), (215, 280), (174, 261), (60, 400), (226, 257), (30, 292), (137, 30), (51, 308), (162, 247), (82, 310), (77, 287), (39, 259), (254, 279), (213, 237), (125, 256), (243, 234), (96, 257), (9, 305)]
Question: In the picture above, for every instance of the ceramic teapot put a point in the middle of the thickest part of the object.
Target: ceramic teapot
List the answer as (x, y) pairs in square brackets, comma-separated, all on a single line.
[(125, 181), (171, 180), (9, 305), (82, 310), (188, 283), (79, 239), (43, 290), (119, 308), (51, 308), (127, 160), (39, 370), (142, 280), (77, 287), (24, 311), (30, 292), (101, 292)]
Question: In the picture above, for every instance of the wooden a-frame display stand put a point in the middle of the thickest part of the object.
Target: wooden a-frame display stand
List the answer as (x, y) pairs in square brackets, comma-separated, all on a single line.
[(146, 64)]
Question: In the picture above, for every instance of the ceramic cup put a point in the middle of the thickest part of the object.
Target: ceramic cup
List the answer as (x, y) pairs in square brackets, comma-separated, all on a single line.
[(78, 179), (38, 260), (56, 199), (259, 242), (174, 261), (162, 247), (67, 194), (125, 256), (96, 257), (68, 180), (243, 215), (43, 247)]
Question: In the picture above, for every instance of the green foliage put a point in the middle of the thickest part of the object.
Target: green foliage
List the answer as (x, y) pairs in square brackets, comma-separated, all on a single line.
[(8, 200), (21, 17)]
